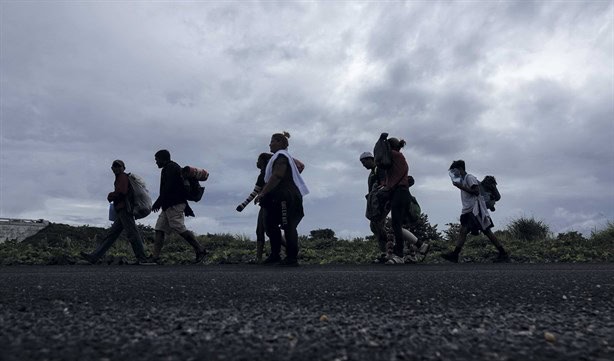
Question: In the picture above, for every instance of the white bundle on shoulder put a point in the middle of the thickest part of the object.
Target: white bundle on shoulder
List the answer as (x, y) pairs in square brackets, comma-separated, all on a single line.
[(141, 201), (296, 175)]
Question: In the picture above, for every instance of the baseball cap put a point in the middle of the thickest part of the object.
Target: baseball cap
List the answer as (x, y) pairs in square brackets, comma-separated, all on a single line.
[(366, 155)]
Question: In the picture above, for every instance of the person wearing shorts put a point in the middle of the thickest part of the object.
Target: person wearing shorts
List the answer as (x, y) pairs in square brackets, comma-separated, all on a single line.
[(474, 215), (174, 205)]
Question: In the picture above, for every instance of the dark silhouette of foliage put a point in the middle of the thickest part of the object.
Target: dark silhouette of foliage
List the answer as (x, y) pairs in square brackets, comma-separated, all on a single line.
[(528, 229), (424, 230), (324, 233)]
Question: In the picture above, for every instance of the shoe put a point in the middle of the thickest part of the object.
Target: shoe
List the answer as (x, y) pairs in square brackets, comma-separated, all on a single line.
[(272, 259), (395, 260), (423, 251), (288, 262), (381, 259), (88, 257), (200, 256), (452, 257), (145, 262), (502, 258), (410, 258)]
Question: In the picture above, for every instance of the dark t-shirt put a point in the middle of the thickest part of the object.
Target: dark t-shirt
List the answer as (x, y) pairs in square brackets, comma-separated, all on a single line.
[(260, 181), (284, 203), (286, 185), (172, 191)]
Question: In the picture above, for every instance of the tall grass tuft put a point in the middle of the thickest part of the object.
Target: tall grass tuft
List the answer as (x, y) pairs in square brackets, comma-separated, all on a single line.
[(604, 236), (528, 229)]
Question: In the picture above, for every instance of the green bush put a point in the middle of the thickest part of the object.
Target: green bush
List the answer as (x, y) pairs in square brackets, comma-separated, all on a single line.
[(452, 233), (606, 235), (423, 229), (61, 244), (528, 229), (325, 233)]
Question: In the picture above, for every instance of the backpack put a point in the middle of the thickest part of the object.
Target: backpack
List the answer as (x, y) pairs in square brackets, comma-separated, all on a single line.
[(414, 212), (192, 177), (382, 152), (139, 199), (378, 204), (488, 189)]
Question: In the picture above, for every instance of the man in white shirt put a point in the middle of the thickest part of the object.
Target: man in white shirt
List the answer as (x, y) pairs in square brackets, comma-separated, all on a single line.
[(474, 215)]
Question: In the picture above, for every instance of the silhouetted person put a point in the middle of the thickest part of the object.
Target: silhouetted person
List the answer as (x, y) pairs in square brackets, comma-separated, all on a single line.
[(174, 205), (124, 219), (282, 197), (376, 179), (474, 215), (261, 163), (397, 182)]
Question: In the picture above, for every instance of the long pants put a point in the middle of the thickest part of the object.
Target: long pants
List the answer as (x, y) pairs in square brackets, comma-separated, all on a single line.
[(378, 229), (261, 227), (288, 221), (398, 208), (123, 221)]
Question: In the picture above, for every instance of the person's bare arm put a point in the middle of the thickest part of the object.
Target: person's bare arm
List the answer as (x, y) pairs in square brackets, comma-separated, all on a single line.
[(279, 170)]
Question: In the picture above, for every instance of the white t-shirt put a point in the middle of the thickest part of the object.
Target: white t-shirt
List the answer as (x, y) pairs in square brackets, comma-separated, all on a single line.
[(468, 199)]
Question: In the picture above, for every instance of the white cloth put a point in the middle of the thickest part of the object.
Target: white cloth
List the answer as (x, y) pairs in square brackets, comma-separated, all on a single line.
[(472, 203), (296, 175)]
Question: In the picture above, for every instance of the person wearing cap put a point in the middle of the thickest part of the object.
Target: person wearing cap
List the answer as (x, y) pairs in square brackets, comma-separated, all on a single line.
[(375, 180), (124, 219)]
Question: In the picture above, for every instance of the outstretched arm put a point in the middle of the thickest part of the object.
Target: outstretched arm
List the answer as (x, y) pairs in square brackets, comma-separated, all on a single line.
[(251, 196)]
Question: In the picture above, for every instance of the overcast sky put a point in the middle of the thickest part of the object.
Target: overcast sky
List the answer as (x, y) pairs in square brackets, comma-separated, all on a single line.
[(520, 90)]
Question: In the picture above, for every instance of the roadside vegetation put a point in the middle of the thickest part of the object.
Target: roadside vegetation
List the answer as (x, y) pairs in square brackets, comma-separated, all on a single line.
[(528, 240)]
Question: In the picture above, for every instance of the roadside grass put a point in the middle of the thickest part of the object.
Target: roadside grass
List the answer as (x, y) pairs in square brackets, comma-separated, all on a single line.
[(60, 244)]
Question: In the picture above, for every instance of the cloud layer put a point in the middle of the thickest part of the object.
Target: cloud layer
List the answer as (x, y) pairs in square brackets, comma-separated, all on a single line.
[(520, 90)]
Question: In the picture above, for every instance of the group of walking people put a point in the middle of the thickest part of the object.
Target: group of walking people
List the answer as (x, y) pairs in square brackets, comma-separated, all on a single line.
[(279, 191), (393, 185)]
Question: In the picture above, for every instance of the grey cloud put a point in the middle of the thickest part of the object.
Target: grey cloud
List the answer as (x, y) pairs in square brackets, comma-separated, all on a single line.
[(83, 84)]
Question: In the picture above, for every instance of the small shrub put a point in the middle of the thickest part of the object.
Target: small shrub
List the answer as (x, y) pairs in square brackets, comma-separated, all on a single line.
[(452, 233), (528, 229), (424, 230), (570, 237), (325, 233), (606, 235)]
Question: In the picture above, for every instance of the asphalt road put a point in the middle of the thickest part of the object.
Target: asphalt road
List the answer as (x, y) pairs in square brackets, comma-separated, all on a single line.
[(430, 312)]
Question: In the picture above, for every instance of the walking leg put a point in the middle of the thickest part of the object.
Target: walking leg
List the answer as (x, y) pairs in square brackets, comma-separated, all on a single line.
[(134, 236), (109, 239), (158, 244)]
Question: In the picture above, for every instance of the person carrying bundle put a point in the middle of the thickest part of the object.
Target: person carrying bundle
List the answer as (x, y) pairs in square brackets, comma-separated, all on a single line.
[(173, 200), (474, 215), (124, 218)]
